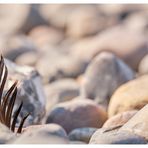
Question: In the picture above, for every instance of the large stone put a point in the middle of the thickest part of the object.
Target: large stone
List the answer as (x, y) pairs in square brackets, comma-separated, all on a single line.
[(114, 136), (103, 76), (138, 123), (129, 45), (77, 113), (30, 91), (119, 119), (61, 91), (82, 134), (129, 96)]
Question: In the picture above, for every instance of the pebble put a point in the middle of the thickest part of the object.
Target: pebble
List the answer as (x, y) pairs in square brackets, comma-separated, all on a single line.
[(82, 134), (77, 113), (61, 91), (103, 76), (129, 96)]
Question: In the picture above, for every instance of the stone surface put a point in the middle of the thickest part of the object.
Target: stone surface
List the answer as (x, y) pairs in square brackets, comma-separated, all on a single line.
[(138, 123), (39, 138), (103, 76), (42, 134), (119, 119), (82, 134), (127, 44), (107, 136), (51, 129), (5, 134), (129, 96), (143, 66), (61, 91), (77, 113), (30, 91)]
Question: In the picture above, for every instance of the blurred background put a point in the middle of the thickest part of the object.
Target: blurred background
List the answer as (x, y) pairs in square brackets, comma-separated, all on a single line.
[(60, 40)]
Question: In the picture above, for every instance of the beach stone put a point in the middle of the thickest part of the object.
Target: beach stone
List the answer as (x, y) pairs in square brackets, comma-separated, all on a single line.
[(103, 76), (138, 123), (61, 91), (77, 113), (129, 96), (143, 66), (72, 66), (82, 134), (127, 44), (109, 136), (89, 22), (57, 14), (45, 35), (31, 57), (30, 91), (53, 129), (119, 119), (39, 137)]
